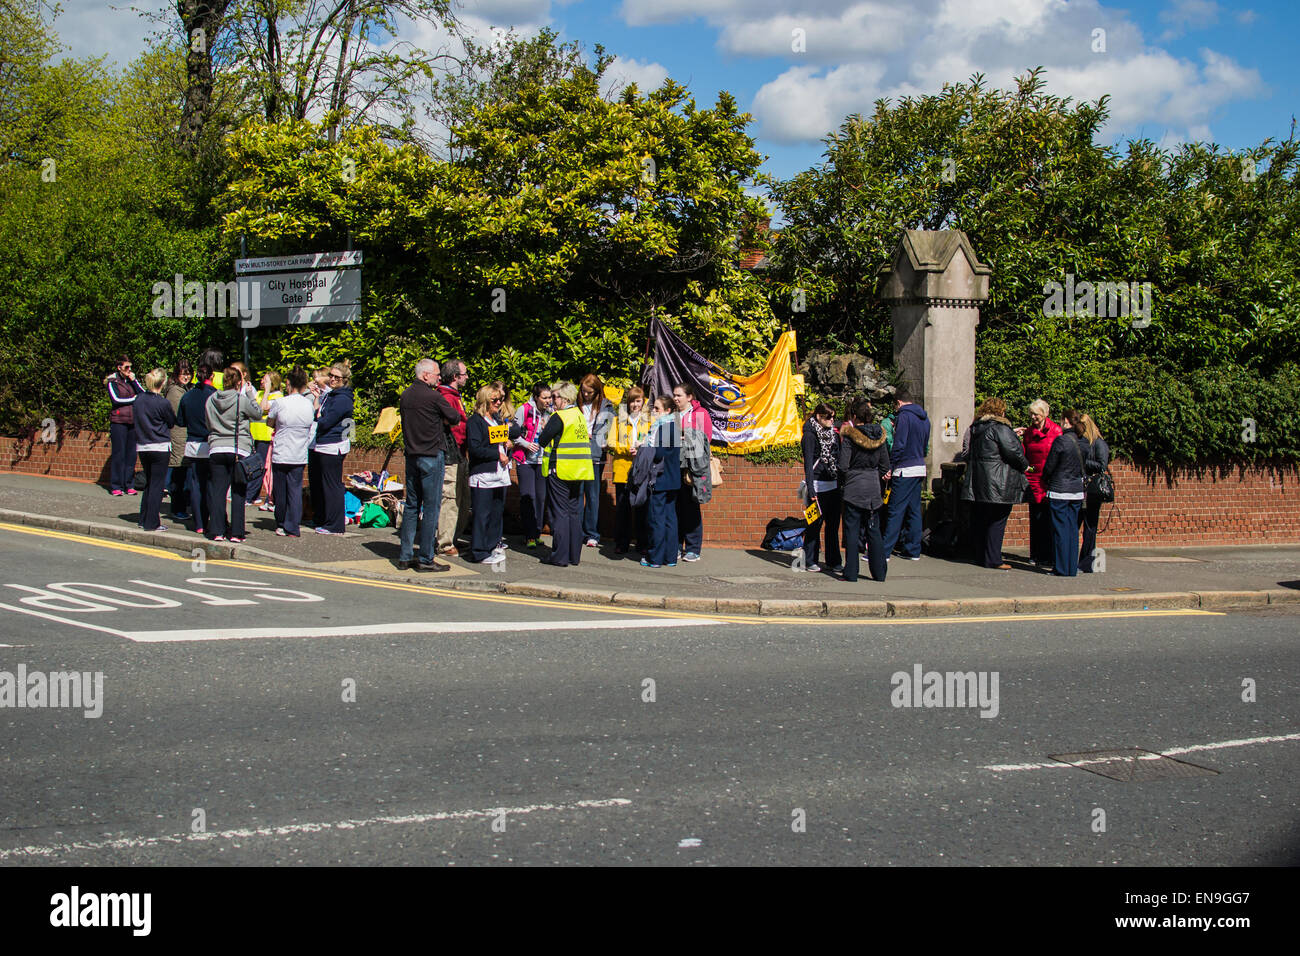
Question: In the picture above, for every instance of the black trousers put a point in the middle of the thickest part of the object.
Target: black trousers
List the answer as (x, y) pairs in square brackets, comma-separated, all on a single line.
[(489, 505), (199, 482), (624, 518), (315, 488), (830, 503), (1040, 532), (121, 471), (564, 515), (1089, 515), (532, 498), (286, 489), (154, 465), (223, 480), (180, 488), (989, 527), (860, 523), (690, 521), (332, 517)]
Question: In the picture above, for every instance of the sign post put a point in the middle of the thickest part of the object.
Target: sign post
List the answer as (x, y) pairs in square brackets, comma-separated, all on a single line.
[(302, 289)]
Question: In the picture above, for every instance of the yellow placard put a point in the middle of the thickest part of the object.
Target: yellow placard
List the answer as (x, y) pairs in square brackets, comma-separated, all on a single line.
[(498, 434), (812, 512), (388, 420)]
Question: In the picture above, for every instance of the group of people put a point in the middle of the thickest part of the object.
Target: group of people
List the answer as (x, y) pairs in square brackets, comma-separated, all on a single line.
[(559, 443), (213, 441), (870, 476), (219, 443)]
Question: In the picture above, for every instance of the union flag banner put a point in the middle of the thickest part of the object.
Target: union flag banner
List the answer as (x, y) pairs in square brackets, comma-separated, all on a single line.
[(749, 412)]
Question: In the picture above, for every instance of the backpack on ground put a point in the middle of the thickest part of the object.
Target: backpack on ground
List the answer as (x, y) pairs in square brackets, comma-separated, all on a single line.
[(784, 534)]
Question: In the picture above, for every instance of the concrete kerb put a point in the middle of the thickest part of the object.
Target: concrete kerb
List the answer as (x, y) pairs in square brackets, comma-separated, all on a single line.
[(839, 608)]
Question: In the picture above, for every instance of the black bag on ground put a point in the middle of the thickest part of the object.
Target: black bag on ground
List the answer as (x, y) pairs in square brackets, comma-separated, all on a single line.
[(784, 534)]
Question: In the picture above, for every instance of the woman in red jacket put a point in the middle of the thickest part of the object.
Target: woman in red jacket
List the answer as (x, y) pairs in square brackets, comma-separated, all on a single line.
[(1037, 439)]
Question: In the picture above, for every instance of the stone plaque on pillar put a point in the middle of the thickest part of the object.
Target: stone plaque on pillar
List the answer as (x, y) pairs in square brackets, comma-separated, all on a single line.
[(934, 285)]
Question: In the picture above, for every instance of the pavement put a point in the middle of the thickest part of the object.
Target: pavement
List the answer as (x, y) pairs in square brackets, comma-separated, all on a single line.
[(732, 581)]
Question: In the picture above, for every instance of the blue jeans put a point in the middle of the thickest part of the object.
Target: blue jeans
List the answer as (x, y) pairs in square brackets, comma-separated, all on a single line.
[(904, 511), (424, 475), (663, 526), (1065, 536)]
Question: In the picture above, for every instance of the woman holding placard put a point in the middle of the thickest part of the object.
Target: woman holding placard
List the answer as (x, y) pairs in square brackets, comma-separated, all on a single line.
[(489, 447)]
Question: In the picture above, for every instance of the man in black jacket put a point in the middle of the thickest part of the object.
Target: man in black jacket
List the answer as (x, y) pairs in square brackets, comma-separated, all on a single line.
[(426, 415)]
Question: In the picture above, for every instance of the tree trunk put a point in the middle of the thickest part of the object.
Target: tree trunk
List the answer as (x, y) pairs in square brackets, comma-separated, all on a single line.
[(201, 20)]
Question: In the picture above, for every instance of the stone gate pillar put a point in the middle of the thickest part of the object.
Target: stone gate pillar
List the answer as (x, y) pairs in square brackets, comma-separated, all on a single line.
[(934, 285)]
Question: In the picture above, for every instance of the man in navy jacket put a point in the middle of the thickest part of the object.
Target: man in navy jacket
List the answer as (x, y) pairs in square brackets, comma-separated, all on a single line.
[(907, 476)]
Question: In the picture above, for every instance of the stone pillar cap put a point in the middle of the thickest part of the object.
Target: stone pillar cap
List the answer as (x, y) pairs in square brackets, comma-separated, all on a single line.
[(926, 267)]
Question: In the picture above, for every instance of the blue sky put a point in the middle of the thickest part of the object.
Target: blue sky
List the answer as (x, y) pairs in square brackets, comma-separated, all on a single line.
[(1176, 69)]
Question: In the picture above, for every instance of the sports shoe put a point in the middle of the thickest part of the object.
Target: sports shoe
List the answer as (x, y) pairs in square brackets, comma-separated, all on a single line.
[(690, 556), (265, 507), (115, 493), (218, 537), (132, 491), (180, 516), (327, 531), (910, 558), (837, 569), (592, 543), (647, 564), (450, 551), (495, 557), (281, 533), (236, 540), (532, 543), (814, 567), (671, 564)]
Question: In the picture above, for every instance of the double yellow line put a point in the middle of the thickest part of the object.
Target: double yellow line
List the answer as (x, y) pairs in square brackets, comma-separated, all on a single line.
[(520, 601)]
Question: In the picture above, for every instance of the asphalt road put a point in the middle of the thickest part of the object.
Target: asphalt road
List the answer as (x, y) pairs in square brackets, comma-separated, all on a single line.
[(325, 720)]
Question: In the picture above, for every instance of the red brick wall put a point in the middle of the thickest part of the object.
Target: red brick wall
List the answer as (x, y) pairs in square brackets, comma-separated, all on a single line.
[(1207, 505)]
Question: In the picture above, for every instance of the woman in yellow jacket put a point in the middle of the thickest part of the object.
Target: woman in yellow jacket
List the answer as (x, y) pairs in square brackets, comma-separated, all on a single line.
[(272, 389), (631, 430)]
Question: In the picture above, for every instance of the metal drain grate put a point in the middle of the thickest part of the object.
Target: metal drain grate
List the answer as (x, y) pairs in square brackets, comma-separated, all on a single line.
[(1133, 765)]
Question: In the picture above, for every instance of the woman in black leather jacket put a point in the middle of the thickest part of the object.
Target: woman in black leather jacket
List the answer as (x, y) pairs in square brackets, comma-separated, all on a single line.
[(994, 481)]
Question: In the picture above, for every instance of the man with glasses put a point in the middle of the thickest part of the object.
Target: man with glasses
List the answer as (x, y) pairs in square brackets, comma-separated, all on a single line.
[(426, 416), (453, 521)]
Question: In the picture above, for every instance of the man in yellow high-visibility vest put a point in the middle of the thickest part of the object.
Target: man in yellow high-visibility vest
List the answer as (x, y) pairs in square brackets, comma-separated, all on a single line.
[(566, 463)]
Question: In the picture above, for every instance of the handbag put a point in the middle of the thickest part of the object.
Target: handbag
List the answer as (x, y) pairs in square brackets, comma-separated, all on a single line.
[(1101, 486), (715, 471), (250, 469)]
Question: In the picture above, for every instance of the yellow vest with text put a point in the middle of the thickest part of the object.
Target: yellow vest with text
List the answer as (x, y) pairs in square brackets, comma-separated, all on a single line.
[(261, 431), (573, 453)]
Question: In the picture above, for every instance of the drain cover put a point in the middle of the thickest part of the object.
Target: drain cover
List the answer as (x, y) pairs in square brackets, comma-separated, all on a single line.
[(1133, 765)]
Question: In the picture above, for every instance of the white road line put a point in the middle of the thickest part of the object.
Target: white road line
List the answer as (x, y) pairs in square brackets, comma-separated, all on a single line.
[(1155, 755), (62, 620), (411, 627), (134, 843)]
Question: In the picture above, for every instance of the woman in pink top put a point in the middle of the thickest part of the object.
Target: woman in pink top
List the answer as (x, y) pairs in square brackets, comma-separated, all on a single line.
[(1037, 439)]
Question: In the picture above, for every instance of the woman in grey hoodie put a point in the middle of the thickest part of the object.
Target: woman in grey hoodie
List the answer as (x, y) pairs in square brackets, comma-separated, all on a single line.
[(229, 413)]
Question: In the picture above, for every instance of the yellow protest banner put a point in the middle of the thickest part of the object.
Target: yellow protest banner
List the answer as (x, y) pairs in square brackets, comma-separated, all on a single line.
[(498, 434)]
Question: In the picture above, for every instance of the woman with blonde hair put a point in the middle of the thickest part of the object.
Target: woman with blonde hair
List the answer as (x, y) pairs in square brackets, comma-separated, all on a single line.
[(489, 474), (567, 464), (153, 421), (994, 481), (1037, 440), (333, 442), (1095, 462), (630, 431)]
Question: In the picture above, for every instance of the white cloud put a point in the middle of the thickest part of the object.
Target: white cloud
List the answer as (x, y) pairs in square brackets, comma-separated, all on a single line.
[(624, 71), (908, 47), (91, 28), (506, 13), (801, 105), (1183, 15), (862, 28)]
